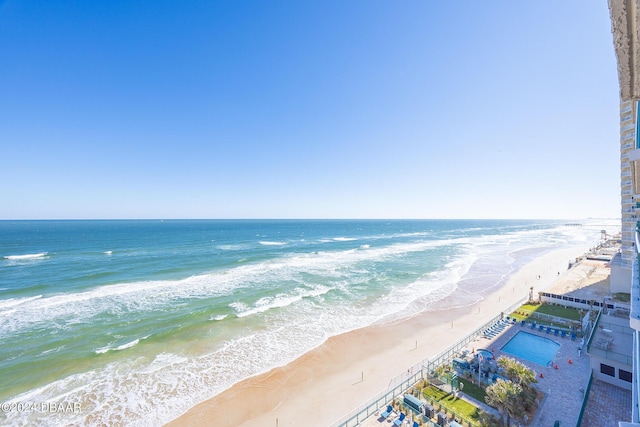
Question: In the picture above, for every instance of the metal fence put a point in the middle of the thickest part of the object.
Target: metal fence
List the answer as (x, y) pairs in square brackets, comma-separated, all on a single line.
[(589, 331), (549, 318), (585, 396), (399, 384), (611, 355)]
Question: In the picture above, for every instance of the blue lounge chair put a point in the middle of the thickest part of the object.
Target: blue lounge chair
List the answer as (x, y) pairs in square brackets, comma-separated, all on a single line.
[(415, 424), (548, 329), (541, 328), (563, 334), (573, 336), (400, 419), (386, 413), (522, 323), (533, 325), (556, 332)]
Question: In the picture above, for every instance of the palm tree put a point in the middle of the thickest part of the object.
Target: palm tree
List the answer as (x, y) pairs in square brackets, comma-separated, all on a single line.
[(486, 419), (506, 396), (517, 372), (521, 375)]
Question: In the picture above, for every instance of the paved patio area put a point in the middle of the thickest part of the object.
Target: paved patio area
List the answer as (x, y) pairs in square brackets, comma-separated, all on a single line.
[(607, 404)]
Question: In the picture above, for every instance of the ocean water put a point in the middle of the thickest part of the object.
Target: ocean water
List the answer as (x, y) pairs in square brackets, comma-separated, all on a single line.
[(134, 322)]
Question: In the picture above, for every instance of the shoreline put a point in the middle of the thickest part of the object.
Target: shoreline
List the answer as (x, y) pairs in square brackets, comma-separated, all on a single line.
[(329, 381)]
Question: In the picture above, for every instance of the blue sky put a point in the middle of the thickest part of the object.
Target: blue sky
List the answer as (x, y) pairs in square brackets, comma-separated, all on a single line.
[(312, 109)]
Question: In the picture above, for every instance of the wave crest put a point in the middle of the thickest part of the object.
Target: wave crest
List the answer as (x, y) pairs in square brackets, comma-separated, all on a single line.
[(25, 257), (122, 346)]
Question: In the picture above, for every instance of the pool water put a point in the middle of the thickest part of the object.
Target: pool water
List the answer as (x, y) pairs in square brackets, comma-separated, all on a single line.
[(532, 347)]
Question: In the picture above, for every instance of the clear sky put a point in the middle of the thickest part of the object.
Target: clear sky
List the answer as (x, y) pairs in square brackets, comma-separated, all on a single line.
[(308, 109)]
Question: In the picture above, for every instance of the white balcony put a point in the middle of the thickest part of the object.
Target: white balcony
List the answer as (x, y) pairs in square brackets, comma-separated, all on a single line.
[(634, 154), (634, 316)]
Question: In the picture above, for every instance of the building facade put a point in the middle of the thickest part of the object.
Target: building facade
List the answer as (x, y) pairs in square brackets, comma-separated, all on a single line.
[(625, 28), (622, 264)]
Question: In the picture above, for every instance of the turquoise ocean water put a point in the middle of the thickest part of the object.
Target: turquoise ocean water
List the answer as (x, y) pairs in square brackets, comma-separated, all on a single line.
[(136, 321)]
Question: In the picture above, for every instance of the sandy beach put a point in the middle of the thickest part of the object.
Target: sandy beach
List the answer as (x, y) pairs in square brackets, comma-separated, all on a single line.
[(326, 383)]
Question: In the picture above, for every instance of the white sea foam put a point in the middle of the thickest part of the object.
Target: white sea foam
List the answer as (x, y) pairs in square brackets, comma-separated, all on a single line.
[(234, 247), (278, 301), (155, 389), (124, 346), (344, 239), (218, 317), (63, 309), (14, 302), (108, 252), (239, 306), (25, 257), (409, 300), (271, 243), (127, 345), (52, 350)]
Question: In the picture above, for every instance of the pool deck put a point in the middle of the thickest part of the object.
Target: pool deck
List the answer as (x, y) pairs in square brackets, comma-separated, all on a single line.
[(563, 387)]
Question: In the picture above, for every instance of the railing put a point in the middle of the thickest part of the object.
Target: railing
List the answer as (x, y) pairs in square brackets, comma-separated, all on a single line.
[(608, 354), (418, 372), (611, 355), (591, 330), (555, 320), (634, 314), (585, 397), (613, 327)]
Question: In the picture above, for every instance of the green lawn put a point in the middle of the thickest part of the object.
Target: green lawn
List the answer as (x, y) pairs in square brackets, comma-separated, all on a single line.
[(553, 310), (473, 390), (622, 296), (459, 406)]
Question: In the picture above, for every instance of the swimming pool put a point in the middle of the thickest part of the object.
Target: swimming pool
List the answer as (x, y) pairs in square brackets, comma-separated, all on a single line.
[(532, 347)]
